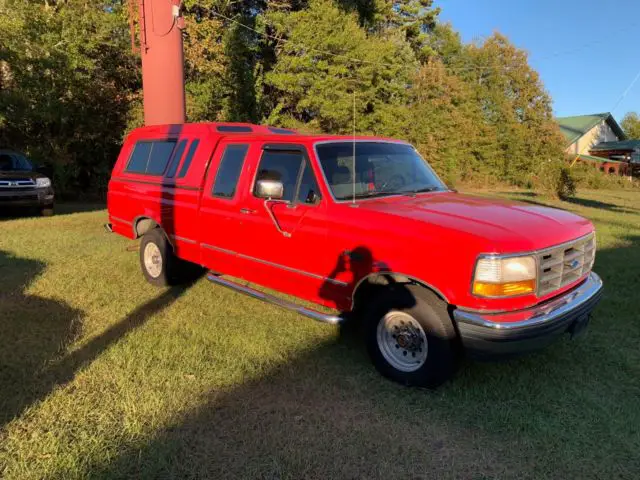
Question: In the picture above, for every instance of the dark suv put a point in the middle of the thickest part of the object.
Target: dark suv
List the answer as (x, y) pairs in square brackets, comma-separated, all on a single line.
[(22, 185)]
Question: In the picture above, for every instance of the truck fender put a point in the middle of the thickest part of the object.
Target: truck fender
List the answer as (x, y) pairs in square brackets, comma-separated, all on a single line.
[(384, 278), (142, 224)]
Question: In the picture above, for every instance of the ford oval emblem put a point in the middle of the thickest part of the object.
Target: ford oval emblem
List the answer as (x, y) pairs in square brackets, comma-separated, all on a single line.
[(574, 264)]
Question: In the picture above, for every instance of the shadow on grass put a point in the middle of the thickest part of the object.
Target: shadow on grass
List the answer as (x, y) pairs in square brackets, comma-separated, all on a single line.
[(529, 197), (36, 333), (325, 414), (598, 204), (568, 412)]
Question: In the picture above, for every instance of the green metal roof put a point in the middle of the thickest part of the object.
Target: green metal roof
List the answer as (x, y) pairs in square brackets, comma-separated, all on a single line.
[(574, 127), (622, 145), (591, 158)]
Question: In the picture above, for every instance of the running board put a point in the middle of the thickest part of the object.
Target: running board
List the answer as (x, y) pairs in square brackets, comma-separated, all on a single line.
[(307, 312)]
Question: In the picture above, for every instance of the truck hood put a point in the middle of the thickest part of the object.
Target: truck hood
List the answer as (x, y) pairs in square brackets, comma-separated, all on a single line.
[(504, 226)]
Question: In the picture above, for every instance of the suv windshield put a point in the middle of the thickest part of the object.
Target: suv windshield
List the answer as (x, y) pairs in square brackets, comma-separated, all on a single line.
[(381, 168), (14, 162)]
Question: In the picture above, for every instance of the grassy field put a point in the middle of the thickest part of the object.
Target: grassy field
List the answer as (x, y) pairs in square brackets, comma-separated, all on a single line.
[(104, 376)]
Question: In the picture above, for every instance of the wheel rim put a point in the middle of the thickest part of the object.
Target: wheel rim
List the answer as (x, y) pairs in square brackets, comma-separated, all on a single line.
[(402, 341), (152, 260)]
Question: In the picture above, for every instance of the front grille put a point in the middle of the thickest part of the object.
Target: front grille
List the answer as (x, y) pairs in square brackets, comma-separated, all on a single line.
[(13, 183), (564, 264)]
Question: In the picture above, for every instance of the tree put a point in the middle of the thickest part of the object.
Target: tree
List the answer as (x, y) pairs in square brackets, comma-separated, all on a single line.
[(445, 123), (631, 125), (325, 58), (515, 105), (70, 77)]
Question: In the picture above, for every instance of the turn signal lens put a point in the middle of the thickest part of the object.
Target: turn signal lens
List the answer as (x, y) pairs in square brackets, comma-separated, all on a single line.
[(503, 289)]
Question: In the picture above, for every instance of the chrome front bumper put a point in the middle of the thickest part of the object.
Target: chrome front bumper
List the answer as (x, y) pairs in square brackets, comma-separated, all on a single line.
[(497, 334)]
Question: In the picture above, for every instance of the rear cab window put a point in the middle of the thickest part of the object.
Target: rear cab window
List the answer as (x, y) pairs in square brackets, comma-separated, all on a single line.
[(193, 147), (150, 157), (229, 170)]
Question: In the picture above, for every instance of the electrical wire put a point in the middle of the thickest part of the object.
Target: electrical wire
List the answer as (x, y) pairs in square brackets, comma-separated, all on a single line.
[(324, 52), (624, 94), (369, 62)]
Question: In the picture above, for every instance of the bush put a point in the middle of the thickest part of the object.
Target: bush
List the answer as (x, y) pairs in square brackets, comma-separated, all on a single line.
[(554, 178), (589, 177)]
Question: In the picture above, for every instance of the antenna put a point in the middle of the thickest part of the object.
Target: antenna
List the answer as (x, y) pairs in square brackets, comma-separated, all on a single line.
[(353, 176)]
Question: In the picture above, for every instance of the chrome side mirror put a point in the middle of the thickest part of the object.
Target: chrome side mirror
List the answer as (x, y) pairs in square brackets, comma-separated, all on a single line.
[(270, 189)]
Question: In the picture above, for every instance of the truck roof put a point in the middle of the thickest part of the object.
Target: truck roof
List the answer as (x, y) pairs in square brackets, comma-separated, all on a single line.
[(245, 130)]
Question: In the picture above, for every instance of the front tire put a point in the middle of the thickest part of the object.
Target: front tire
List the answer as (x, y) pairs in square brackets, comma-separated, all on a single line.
[(410, 336)]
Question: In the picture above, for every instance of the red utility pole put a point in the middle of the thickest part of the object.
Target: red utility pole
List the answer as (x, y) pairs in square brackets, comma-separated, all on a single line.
[(160, 44)]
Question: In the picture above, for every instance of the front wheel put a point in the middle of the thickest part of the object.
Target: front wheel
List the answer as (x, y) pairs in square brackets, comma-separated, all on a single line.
[(410, 336)]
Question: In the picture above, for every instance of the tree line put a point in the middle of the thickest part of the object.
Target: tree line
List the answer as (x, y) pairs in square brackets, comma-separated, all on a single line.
[(70, 85)]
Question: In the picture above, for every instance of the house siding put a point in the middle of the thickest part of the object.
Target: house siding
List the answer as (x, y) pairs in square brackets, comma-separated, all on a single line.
[(600, 133)]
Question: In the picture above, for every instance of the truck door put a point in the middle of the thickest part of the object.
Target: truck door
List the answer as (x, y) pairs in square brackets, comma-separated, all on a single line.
[(282, 244), (221, 213)]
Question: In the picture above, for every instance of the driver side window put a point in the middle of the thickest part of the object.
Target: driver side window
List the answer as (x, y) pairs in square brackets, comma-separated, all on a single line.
[(282, 166)]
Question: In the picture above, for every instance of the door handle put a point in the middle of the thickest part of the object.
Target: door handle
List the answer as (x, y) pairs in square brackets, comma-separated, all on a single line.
[(247, 211)]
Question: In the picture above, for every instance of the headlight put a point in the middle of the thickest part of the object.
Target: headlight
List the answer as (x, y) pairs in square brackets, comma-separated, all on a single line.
[(43, 182), (504, 277)]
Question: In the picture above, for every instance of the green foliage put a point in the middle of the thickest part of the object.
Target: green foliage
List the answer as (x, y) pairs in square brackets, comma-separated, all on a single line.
[(587, 175), (445, 123), (515, 107), (70, 87), (631, 125), (554, 178), (68, 79), (316, 76)]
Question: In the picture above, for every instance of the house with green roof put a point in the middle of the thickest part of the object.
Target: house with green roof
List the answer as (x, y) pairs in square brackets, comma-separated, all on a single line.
[(597, 139), (583, 132)]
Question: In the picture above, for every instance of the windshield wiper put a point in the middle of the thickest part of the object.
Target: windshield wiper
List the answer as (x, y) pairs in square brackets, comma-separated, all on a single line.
[(413, 193), (373, 193)]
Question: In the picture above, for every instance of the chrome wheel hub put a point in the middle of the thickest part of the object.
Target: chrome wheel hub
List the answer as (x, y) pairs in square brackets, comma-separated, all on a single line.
[(402, 341), (152, 260)]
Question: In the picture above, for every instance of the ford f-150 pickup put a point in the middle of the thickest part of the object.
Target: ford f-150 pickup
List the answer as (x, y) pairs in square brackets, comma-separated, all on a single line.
[(360, 225)]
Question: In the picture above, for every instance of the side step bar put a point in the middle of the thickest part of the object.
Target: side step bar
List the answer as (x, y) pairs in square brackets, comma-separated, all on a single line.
[(307, 312)]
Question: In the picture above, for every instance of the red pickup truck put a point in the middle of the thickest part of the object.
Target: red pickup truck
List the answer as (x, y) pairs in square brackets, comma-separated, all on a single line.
[(360, 225)]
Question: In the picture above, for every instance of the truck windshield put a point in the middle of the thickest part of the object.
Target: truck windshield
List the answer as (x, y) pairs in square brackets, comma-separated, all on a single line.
[(381, 168)]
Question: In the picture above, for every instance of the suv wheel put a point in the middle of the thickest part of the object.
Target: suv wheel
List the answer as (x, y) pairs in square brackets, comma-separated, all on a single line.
[(410, 336), (46, 211)]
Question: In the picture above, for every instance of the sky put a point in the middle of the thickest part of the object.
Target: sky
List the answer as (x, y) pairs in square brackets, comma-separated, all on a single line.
[(587, 52)]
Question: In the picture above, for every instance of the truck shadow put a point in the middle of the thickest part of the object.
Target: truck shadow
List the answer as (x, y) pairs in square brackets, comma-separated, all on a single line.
[(37, 334), (514, 419)]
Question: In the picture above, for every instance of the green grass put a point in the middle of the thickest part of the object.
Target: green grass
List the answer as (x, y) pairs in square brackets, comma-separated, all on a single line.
[(104, 376)]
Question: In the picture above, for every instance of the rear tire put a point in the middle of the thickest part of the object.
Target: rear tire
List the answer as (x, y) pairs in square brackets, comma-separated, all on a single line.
[(156, 258), (410, 336), (160, 266)]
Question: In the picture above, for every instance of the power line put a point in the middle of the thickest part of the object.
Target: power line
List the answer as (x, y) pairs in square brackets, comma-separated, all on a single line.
[(339, 55), (624, 94), (369, 62), (585, 45)]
